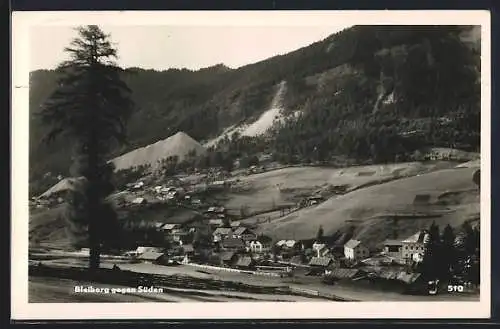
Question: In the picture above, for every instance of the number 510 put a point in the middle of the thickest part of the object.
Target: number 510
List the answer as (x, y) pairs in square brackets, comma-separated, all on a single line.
[(455, 288)]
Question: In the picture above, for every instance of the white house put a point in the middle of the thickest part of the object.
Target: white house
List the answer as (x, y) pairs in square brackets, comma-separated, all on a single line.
[(414, 247), (354, 249), (257, 247), (139, 201), (320, 249)]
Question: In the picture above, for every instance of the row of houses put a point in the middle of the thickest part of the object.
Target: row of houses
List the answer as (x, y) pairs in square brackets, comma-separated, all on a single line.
[(230, 237), (411, 248)]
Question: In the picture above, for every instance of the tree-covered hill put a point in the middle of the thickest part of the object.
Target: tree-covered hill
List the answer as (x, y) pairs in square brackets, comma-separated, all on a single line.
[(368, 92)]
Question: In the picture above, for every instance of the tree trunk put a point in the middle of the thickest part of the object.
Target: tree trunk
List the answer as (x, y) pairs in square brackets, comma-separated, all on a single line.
[(94, 241), (95, 256)]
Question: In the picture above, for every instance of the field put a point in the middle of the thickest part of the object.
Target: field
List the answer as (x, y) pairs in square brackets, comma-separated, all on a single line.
[(278, 187), (371, 209)]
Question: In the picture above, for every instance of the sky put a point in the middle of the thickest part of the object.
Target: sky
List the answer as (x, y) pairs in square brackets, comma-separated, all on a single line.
[(191, 47)]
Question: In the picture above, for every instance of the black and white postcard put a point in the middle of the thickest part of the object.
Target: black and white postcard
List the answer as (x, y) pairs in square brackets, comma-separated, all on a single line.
[(302, 164)]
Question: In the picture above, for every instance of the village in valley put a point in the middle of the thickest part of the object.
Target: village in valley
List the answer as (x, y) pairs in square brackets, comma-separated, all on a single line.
[(345, 170), (179, 220)]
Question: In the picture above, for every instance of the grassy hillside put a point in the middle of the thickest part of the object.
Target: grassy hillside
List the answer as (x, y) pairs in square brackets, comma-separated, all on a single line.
[(375, 196), (264, 191), (375, 93), (454, 198)]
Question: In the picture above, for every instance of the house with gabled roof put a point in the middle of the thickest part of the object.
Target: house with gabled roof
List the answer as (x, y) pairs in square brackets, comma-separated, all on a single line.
[(244, 233), (228, 257), (321, 261), (413, 247), (143, 249), (233, 244), (244, 262), (287, 246), (152, 257), (393, 248), (168, 227), (344, 273), (280, 243), (320, 249), (221, 233), (355, 250)]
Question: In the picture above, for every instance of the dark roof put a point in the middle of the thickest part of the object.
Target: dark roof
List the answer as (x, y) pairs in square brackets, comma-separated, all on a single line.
[(223, 231), (393, 243), (344, 273), (233, 242), (379, 259), (320, 261), (226, 255), (150, 255), (422, 198), (388, 275), (241, 230), (352, 243), (244, 261), (408, 277)]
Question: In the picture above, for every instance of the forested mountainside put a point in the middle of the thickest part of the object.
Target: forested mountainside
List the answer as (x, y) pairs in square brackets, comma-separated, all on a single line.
[(368, 92)]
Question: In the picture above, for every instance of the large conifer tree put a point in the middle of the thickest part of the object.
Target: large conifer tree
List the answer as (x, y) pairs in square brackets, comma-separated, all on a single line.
[(90, 106)]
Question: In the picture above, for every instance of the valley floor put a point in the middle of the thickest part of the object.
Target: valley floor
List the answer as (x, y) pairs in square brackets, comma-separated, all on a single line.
[(367, 205), (46, 290)]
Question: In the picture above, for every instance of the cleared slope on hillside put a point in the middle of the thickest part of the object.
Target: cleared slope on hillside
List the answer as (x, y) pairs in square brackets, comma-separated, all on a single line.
[(179, 145), (373, 207), (274, 114)]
